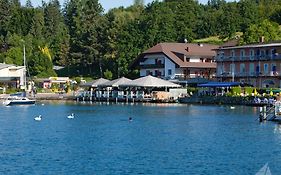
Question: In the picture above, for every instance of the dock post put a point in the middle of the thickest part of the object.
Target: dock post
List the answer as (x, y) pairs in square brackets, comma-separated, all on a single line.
[(263, 115)]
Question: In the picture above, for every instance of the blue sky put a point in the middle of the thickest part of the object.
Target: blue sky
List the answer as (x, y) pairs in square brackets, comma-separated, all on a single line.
[(107, 4)]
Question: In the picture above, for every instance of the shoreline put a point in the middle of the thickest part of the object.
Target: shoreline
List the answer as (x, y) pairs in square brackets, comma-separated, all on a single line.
[(184, 100)]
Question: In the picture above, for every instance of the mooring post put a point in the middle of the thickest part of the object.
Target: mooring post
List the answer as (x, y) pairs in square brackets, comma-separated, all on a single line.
[(263, 115)]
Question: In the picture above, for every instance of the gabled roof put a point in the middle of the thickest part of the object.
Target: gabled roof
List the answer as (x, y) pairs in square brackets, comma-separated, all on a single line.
[(116, 82), (173, 50), (150, 81)]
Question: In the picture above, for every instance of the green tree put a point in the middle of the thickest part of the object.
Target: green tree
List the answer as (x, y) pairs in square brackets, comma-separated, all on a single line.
[(269, 30)]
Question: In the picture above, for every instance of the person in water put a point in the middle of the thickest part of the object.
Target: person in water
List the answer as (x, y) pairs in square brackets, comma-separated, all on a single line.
[(130, 119)]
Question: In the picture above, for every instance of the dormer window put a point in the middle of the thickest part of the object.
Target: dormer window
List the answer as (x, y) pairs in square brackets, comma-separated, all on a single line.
[(187, 59)]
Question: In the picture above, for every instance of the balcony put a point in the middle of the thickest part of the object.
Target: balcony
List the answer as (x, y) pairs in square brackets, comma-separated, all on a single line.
[(152, 66), (248, 58)]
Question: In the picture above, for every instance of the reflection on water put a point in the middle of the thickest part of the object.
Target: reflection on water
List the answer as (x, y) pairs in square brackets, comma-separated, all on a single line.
[(277, 128), (161, 139)]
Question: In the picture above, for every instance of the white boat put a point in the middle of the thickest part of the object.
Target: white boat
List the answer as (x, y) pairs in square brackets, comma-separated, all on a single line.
[(264, 170), (20, 98)]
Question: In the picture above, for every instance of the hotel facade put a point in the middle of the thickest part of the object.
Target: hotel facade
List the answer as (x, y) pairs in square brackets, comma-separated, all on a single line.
[(178, 61), (258, 65)]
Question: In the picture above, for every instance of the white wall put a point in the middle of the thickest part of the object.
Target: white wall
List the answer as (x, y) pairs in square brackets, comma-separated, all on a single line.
[(150, 59), (169, 65), (13, 71), (195, 59)]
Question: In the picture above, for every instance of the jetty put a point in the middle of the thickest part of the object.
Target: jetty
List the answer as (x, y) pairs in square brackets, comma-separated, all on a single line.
[(271, 113)]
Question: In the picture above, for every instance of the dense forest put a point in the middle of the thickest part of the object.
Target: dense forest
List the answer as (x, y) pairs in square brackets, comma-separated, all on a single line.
[(86, 41)]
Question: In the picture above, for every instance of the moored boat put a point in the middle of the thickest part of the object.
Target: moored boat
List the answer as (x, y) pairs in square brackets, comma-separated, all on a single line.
[(17, 100)]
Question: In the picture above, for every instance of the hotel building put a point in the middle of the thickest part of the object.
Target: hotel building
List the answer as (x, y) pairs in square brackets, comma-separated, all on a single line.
[(258, 65)]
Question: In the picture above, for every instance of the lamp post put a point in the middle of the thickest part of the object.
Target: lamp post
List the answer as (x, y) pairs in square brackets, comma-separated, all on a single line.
[(24, 64), (233, 67)]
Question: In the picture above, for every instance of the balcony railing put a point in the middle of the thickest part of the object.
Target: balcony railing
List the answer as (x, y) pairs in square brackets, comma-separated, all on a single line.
[(249, 58), (152, 66), (250, 74)]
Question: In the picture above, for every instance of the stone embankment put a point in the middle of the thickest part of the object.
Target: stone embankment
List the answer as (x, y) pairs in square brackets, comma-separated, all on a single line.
[(46, 96), (220, 100)]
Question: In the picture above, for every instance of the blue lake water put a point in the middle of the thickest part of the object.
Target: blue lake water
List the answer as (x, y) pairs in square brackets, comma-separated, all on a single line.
[(161, 139)]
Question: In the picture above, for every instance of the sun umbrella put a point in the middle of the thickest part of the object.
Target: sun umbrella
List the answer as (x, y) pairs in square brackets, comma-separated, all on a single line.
[(255, 92), (271, 93)]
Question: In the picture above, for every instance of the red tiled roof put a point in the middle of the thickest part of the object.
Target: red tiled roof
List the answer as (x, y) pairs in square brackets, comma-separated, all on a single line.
[(172, 50)]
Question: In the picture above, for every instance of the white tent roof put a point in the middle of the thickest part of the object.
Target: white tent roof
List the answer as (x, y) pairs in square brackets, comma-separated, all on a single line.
[(116, 82), (150, 81), (95, 83)]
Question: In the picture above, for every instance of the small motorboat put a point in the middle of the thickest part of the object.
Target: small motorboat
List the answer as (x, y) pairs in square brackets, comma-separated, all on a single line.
[(38, 118), (71, 116)]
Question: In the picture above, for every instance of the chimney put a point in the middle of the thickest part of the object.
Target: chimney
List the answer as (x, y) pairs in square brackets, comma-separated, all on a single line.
[(262, 39)]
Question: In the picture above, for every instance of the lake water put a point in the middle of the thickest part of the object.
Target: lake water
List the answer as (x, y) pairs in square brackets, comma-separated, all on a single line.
[(161, 139)]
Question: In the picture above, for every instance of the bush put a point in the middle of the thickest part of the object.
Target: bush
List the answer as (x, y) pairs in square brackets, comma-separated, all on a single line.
[(249, 90), (236, 91), (108, 74)]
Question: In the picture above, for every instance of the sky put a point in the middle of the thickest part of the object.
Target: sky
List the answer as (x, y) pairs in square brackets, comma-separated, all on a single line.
[(106, 4)]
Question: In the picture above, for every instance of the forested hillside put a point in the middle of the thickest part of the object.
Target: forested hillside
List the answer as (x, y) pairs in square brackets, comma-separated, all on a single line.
[(84, 39)]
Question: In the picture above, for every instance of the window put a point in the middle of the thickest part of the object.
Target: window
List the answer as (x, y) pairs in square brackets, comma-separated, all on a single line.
[(262, 53), (258, 70), (232, 68), (265, 68), (266, 52), (252, 54), (273, 67), (232, 53), (242, 54), (169, 71), (252, 68), (157, 73), (147, 72), (273, 53), (242, 68), (258, 52), (159, 62)]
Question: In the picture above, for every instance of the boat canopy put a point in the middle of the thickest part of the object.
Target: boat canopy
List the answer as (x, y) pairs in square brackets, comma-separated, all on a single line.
[(219, 84)]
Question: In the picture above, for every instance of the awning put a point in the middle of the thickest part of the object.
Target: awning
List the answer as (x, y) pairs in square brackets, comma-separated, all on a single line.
[(219, 84), (150, 81), (268, 82)]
